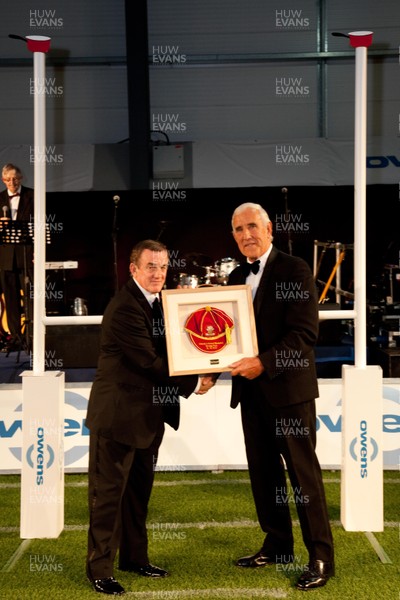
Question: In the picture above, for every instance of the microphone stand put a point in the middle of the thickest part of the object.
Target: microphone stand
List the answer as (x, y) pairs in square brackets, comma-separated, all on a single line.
[(115, 249), (287, 212), (163, 226)]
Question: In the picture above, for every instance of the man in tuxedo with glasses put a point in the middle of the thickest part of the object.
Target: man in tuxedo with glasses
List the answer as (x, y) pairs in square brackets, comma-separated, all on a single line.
[(16, 262), (126, 415)]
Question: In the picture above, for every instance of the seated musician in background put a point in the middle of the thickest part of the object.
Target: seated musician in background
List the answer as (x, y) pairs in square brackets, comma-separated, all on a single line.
[(16, 203)]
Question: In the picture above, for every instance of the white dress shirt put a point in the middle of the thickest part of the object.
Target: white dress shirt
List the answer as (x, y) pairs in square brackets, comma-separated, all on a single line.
[(253, 279), (14, 203)]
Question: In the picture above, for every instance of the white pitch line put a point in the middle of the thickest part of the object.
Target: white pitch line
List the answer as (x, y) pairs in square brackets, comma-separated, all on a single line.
[(240, 593), (175, 483), (12, 561), (384, 558), (199, 525), (186, 482), (170, 527)]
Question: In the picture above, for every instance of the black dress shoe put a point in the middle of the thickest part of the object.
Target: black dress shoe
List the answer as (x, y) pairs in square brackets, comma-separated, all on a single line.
[(145, 570), (262, 558), (108, 585), (315, 575)]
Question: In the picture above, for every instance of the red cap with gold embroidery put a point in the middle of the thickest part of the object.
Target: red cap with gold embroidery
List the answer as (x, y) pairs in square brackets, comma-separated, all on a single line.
[(209, 329)]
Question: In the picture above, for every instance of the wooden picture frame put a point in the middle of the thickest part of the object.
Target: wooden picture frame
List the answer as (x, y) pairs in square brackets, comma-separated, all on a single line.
[(208, 328)]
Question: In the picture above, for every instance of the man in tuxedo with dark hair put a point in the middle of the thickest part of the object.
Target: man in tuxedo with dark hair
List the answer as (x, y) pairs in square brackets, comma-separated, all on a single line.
[(276, 391), (16, 203), (132, 397)]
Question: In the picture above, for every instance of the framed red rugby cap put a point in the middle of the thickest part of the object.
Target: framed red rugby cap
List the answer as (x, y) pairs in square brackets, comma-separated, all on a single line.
[(208, 328)]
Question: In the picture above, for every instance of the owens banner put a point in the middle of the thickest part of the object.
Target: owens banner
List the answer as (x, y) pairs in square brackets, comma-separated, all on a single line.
[(185, 449)]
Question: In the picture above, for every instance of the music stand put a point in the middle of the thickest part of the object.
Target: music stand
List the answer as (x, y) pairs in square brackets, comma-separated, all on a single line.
[(21, 233)]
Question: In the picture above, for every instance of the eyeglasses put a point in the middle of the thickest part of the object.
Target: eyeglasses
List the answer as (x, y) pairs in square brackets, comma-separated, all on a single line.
[(10, 179)]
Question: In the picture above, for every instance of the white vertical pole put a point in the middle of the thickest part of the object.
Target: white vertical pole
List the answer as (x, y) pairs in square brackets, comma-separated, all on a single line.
[(42, 471), (39, 274), (362, 385), (360, 240)]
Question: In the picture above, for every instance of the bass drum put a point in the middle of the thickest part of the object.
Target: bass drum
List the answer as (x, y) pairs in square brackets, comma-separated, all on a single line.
[(224, 267)]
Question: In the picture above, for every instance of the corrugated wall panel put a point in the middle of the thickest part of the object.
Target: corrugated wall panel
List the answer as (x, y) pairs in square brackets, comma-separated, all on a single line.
[(383, 93), (225, 103), (77, 29), (214, 102), (230, 103), (233, 26), (83, 103)]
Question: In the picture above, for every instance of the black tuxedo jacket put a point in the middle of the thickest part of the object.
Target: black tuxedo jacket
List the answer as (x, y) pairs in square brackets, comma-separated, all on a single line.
[(132, 391), (12, 255), (286, 316)]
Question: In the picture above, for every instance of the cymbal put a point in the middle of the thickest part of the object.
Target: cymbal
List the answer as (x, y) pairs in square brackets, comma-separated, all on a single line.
[(199, 260)]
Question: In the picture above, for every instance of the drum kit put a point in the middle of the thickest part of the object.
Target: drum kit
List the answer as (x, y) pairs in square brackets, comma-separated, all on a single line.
[(210, 274)]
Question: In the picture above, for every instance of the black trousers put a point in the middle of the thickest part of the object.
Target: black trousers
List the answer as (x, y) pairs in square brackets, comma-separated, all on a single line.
[(120, 484), (275, 437), (12, 283)]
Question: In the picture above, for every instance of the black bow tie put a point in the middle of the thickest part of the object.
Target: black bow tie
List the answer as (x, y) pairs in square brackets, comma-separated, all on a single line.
[(14, 196), (253, 267)]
